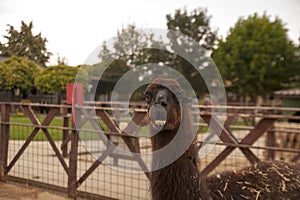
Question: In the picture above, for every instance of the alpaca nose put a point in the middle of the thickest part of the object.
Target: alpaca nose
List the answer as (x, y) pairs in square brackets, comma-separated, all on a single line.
[(161, 100)]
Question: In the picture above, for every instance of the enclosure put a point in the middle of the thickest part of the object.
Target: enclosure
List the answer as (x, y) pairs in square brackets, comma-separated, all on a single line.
[(41, 146)]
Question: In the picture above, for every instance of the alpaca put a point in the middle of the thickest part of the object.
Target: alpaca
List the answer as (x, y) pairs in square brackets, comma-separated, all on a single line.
[(181, 179), (167, 111)]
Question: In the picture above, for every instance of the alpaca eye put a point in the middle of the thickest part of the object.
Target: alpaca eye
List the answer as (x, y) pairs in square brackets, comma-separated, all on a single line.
[(148, 98)]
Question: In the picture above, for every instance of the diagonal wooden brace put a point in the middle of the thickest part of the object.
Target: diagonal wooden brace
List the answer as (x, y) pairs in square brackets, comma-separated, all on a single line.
[(227, 137), (138, 117), (30, 114)]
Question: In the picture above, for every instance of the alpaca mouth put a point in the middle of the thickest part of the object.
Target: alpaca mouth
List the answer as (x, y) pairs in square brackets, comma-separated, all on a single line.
[(158, 116), (160, 123)]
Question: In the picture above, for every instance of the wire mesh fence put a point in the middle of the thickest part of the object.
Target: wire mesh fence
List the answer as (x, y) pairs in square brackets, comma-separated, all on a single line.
[(41, 149), (38, 162), (119, 177)]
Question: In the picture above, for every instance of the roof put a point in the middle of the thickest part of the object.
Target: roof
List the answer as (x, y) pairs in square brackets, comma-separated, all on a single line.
[(294, 93)]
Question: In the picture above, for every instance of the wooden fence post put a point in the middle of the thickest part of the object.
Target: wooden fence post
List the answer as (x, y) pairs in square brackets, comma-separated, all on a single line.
[(271, 142), (72, 176), (77, 99), (4, 139), (65, 132), (73, 157)]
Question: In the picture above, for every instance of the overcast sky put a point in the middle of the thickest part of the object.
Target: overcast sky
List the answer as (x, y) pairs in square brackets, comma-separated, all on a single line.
[(74, 28)]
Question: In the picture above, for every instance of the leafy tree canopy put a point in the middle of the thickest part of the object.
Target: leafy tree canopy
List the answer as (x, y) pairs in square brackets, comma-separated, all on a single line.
[(17, 72), (55, 78), (257, 56), (195, 25), (132, 47), (128, 48), (25, 44), (196, 29)]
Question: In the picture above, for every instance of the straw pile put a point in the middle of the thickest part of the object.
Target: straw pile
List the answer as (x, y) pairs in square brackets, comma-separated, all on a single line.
[(265, 180)]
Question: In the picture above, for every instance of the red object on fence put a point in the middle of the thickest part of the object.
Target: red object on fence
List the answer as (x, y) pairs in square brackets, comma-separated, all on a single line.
[(74, 96), (74, 93)]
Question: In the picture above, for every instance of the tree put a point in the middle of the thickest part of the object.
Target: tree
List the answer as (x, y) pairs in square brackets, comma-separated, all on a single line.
[(128, 48), (257, 56), (133, 47), (25, 44), (54, 78), (295, 80), (18, 73), (195, 25)]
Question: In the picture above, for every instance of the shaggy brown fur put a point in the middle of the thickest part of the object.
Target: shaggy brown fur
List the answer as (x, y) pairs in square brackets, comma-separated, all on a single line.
[(181, 179)]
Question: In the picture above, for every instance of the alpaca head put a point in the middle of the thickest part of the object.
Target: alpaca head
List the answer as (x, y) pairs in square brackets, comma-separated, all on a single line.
[(164, 98)]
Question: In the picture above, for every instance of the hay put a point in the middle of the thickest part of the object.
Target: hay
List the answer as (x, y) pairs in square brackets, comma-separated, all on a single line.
[(265, 180)]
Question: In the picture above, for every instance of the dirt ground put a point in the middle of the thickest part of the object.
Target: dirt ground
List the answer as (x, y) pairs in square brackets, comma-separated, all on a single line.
[(17, 192)]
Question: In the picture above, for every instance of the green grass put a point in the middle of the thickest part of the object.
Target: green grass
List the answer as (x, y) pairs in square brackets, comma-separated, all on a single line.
[(23, 131)]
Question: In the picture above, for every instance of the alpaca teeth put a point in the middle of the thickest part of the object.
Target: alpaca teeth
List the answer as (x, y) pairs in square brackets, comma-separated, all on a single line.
[(160, 122)]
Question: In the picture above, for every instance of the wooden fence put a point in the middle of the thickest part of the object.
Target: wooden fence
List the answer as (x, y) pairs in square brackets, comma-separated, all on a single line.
[(45, 150)]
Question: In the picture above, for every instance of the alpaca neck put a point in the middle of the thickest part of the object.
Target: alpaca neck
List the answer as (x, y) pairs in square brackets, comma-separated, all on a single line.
[(180, 179)]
